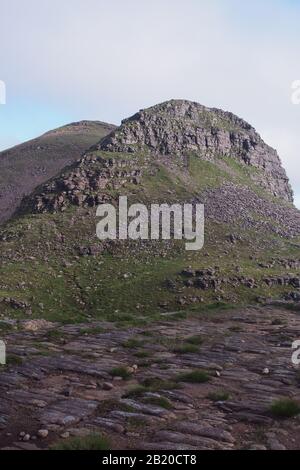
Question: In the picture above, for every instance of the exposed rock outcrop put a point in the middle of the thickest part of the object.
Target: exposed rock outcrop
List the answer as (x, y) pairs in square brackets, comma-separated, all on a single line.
[(170, 135), (180, 126), (85, 183)]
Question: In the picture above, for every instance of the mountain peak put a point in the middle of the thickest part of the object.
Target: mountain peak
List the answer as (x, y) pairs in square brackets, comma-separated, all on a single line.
[(190, 110), (182, 127)]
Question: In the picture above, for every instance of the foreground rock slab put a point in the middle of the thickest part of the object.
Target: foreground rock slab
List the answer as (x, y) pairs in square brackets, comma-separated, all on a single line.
[(205, 382)]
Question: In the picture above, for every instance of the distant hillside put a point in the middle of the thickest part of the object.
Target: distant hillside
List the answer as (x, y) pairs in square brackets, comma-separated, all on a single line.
[(25, 166)]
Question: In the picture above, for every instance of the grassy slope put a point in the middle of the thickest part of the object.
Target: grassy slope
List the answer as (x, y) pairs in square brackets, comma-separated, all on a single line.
[(41, 265)]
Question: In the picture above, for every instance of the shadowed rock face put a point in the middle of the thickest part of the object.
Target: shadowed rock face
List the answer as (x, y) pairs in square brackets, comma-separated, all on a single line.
[(28, 165), (179, 126)]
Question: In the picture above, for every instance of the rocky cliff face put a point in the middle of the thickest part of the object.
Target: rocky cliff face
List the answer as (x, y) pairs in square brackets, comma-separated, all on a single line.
[(171, 135), (179, 127)]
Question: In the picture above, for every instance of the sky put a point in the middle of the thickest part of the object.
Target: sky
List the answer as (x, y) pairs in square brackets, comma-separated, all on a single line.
[(68, 60)]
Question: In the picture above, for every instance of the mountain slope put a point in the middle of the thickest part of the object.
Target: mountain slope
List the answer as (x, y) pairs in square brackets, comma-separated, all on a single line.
[(54, 266), (180, 126), (25, 166)]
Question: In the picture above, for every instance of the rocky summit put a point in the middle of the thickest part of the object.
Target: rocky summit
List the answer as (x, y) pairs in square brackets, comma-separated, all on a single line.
[(207, 154), (142, 342), (178, 127)]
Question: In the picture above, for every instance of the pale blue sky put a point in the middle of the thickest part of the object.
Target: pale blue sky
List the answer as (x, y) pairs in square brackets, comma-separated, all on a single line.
[(67, 60)]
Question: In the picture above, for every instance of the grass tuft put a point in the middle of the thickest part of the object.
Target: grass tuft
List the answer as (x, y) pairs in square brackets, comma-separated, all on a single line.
[(155, 384), (92, 331), (196, 376), (285, 408), (132, 343), (142, 354), (121, 372), (186, 349), (220, 395), (162, 402), (196, 340), (13, 360), (91, 442)]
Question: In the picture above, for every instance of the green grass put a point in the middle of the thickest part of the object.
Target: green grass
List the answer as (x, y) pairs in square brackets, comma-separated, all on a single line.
[(235, 329), (206, 174), (186, 349), (147, 333), (155, 384), (293, 307), (5, 327), (145, 363), (197, 376), (92, 331), (157, 186), (121, 372), (142, 354), (162, 402), (55, 335), (278, 321), (196, 340), (13, 360), (106, 406), (152, 385), (134, 423), (285, 408), (91, 442), (132, 343), (136, 391), (220, 395)]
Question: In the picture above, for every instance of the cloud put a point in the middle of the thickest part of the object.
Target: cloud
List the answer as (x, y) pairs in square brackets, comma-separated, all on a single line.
[(105, 60)]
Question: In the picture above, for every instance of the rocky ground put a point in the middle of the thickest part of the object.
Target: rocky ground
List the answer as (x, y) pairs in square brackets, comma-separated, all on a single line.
[(135, 385)]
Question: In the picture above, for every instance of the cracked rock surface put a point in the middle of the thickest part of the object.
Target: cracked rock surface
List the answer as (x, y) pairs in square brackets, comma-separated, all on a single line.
[(131, 384)]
